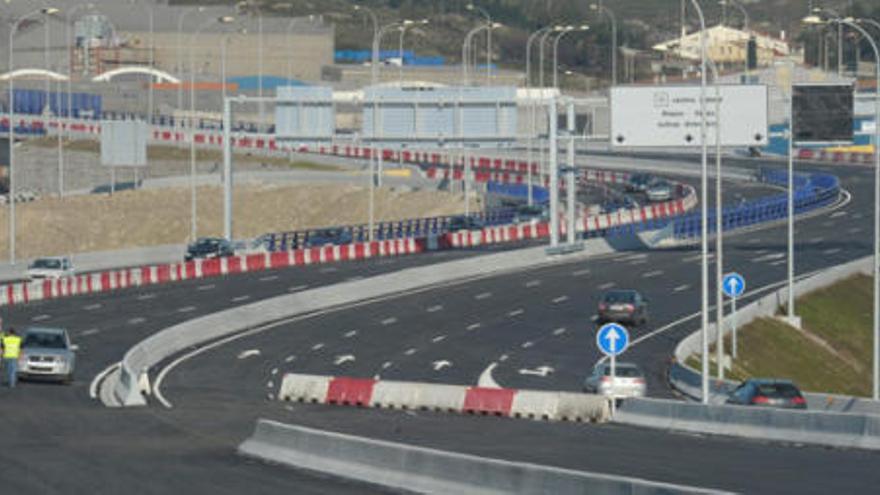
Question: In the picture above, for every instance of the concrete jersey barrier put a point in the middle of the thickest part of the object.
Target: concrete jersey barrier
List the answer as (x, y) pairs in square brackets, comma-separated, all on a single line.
[(795, 426), (365, 392), (424, 470)]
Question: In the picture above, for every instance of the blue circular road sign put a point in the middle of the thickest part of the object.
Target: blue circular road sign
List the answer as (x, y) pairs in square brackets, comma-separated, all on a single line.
[(612, 339), (733, 285)]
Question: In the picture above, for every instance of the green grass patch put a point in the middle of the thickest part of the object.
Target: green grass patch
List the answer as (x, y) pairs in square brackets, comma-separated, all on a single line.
[(839, 315)]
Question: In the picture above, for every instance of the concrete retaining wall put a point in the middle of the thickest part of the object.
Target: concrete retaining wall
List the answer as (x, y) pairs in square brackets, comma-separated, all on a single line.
[(424, 470)]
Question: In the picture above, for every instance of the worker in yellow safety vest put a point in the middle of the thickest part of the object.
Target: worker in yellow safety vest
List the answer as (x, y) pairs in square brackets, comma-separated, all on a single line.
[(11, 351)]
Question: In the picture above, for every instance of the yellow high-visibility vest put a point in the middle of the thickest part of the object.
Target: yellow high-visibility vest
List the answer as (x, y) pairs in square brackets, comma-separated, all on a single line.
[(11, 347)]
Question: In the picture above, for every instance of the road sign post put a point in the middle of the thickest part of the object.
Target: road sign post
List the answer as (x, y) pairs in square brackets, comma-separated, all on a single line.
[(733, 285), (612, 339)]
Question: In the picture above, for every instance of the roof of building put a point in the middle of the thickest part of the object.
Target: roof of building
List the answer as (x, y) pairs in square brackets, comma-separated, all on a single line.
[(689, 46)]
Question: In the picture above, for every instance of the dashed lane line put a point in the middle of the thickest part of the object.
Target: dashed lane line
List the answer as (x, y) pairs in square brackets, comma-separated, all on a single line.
[(533, 283), (434, 309), (42, 317), (91, 331), (681, 288), (318, 346), (580, 273), (438, 339), (350, 334), (137, 320), (560, 299), (607, 285), (186, 309), (652, 274), (516, 312), (92, 307), (240, 298), (474, 326), (483, 295), (297, 288), (268, 278), (411, 351), (389, 321), (559, 331), (206, 287), (146, 297)]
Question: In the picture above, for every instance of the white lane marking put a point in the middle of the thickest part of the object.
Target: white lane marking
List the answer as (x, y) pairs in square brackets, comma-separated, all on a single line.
[(483, 295), (411, 351), (354, 279), (607, 286), (186, 309), (91, 307), (639, 262), (270, 384), (528, 344), (297, 288), (832, 251), (93, 387), (681, 288), (854, 230), (144, 297), (387, 364), (268, 278), (439, 365), (533, 283), (486, 380), (503, 357), (633, 257), (206, 287), (346, 358), (91, 331), (697, 257), (768, 257), (438, 339), (580, 273), (248, 353), (655, 273), (594, 318), (474, 326), (541, 371), (516, 312), (817, 240), (289, 359), (389, 321), (274, 371), (838, 214), (560, 299), (240, 298), (434, 309), (778, 262), (137, 320), (318, 346), (761, 251), (350, 334), (329, 269), (559, 331), (41, 317)]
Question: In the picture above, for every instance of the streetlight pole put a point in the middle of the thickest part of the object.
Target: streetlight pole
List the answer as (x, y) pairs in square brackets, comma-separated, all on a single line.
[(403, 29), (45, 11), (567, 30), (719, 230), (192, 122), (465, 49), (532, 110), (374, 64), (603, 9), (485, 14), (67, 38), (178, 50), (541, 42)]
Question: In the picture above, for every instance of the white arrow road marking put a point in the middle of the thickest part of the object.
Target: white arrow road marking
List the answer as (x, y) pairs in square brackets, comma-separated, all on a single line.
[(486, 380), (350, 334), (541, 371), (439, 365), (318, 346), (439, 338), (248, 353), (343, 359)]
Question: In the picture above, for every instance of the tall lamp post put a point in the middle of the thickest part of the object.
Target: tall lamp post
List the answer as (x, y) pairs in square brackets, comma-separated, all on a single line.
[(855, 25), (532, 109), (252, 8), (582, 27), (465, 49), (45, 12), (374, 63), (192, 120), (486, 15), (403, 30), (600, 8), (541, 43), (178, 50)]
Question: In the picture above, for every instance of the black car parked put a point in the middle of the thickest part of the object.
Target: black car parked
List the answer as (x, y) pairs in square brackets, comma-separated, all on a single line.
[(782, 394), (208, 247)]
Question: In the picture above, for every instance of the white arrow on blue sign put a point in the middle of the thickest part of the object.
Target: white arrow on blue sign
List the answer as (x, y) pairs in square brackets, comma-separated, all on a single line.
[(612, 339), (733, 285)]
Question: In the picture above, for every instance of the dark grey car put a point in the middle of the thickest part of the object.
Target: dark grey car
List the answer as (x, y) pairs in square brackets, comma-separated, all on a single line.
[(782, 394), (623, 306)]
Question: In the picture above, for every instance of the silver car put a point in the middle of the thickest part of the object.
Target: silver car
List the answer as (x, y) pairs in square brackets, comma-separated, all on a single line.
[(47, 353), (628, 381), (659, 191)]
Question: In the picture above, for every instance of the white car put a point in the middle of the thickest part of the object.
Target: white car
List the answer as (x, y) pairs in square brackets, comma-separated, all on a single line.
[(50, 268), (628, 381)]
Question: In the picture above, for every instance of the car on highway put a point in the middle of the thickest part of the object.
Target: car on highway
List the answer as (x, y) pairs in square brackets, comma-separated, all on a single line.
[(639, 182), (46, 353), (626, 306), (208, 247), (460, 223), (659, 190), (768, 392), (531, 213), (328, 237), (628, 381), (52, 268)]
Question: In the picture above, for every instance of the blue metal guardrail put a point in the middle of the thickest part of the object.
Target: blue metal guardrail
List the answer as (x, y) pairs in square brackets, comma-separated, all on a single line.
[(811, 192), (539, 194)]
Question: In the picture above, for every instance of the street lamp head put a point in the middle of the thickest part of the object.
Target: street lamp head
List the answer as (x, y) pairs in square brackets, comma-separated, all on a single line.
[(558, 28), (813, 20), (469, 6), (424, 22), (50, 11), (594, 6), (584, 27), (226, 19), (496, 25), (407, 22)]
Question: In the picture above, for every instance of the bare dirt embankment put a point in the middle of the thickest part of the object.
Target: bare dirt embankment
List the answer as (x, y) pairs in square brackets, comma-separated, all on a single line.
[(142, 218)]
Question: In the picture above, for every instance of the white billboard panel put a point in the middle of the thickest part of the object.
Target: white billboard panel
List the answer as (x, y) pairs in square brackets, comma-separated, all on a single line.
[(124, 143), (663, 116)]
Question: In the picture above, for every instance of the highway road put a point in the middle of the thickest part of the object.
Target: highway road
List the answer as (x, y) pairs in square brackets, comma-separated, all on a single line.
[(523, 321)]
